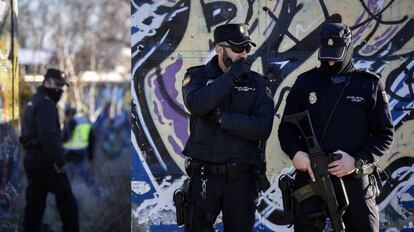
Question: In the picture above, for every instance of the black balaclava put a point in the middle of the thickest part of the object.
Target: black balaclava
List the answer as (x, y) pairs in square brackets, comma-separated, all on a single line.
[(54, 94), (340, 68)]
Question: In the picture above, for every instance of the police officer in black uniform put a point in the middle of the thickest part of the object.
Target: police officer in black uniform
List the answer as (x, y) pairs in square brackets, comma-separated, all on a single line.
[(44, 158), (231, 117), (350, 116)]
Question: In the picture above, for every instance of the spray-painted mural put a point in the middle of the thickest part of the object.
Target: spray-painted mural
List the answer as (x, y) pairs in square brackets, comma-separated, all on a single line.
[(9, 83), (169, 36)]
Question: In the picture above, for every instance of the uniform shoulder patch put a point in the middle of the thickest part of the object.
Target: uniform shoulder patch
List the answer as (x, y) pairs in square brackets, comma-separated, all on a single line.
[(189, 74), (192, 69), (186, 80), (369, 73), (310, 72)]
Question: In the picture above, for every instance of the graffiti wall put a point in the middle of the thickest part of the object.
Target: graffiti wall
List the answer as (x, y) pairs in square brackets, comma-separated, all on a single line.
[(169, 36), (9, 83)]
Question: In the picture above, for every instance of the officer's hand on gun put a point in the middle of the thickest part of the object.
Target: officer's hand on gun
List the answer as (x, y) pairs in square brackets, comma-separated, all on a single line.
[(302, 162), (239, 70), (343, 166)]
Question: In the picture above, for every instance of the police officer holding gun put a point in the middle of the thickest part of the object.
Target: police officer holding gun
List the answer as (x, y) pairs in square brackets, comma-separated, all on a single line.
[(351, 120), (44, 158), (232, 112)]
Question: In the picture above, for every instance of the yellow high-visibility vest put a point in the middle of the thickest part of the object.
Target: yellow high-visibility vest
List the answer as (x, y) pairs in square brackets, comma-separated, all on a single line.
[(80, 137)]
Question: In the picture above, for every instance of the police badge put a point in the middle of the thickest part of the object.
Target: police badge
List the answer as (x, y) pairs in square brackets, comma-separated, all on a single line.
[(312, 98)]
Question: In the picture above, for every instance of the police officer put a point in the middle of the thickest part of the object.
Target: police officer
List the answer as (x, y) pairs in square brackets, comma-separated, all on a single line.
[(231, 117), (350, 116), (44, 158), (78, 137)]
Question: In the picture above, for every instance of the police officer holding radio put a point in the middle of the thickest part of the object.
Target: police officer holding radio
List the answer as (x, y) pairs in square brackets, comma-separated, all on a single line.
[(350, 116), (44, 158), (231, 117)]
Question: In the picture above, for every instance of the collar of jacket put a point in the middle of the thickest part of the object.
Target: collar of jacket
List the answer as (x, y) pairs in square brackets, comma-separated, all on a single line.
[(212, 70), (42, 92)]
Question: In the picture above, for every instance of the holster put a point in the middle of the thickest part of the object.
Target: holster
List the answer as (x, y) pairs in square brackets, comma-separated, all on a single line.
[(286, 183), (183, 208), (376, 180)]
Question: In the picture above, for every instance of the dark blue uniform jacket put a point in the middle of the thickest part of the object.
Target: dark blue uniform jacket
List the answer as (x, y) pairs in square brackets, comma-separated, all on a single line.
[(246, 114), (41, 129), (361, 124)]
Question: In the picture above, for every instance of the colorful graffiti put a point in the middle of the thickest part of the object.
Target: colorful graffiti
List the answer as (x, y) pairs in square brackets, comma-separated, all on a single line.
[(170, 36), (9, 152)]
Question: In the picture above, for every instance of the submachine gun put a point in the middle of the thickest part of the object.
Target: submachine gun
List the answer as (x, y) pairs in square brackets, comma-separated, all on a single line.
[(335, 201)]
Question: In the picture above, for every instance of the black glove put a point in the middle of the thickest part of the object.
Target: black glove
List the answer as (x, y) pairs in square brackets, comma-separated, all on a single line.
[(214, 115), (239, 70)]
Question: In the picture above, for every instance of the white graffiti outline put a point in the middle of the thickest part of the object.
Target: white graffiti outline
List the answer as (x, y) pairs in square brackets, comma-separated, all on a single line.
[(145, 129), (161, 204), (401, 188), (144, 164)]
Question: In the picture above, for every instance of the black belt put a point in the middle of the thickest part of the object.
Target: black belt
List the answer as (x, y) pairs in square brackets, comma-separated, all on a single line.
[(205, 168)]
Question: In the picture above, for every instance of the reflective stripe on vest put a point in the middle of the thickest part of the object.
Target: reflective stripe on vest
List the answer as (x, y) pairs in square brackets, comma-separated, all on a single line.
[(79, 138)]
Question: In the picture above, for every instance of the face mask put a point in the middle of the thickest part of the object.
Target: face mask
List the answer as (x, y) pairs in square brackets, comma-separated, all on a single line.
[(226, 59), (54, 94), (329, 70)]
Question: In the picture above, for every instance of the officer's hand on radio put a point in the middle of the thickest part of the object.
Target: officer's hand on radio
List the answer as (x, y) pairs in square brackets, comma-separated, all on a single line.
[(239, 70), (302, 162), (59, 169), (343, 166)]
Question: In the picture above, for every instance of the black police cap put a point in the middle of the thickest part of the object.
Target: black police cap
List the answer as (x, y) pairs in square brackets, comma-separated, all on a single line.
[(58, 75), (335, 39), (234, 34)]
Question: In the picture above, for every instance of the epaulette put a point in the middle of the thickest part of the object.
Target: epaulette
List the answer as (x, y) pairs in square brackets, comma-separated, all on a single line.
[(367, 72), (190, 69), (259, 75), (310, 71), (189, 74)]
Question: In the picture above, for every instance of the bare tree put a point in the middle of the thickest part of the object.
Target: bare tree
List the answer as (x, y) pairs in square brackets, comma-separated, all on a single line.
[(85, 35)]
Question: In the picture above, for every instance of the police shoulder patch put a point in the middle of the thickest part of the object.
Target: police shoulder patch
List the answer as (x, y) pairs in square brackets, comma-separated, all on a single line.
[(188, 74), (186, 80)]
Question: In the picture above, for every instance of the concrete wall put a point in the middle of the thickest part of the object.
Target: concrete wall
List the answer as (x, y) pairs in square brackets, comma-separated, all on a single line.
[(176, 35), (9, 82)]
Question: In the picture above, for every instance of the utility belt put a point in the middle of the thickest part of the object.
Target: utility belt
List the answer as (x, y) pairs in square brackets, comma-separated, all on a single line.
[(202, 168)]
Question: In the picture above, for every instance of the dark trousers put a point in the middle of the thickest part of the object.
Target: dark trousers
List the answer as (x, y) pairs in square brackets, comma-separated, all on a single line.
[(235, 198), (41, 180), (360, 216)]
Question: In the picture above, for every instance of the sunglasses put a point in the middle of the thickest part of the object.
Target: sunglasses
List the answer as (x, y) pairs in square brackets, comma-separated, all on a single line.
[(237, 49)]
